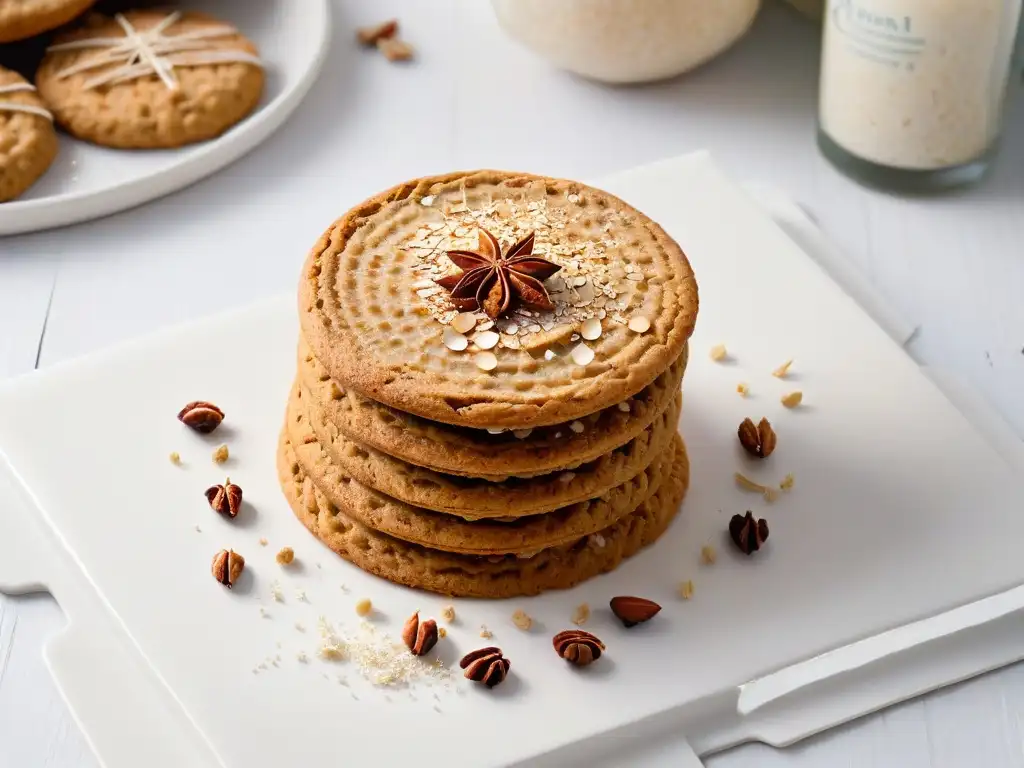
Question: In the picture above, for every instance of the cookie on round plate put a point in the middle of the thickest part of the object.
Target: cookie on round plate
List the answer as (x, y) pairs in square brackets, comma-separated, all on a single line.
[(28, 142), (150, 79), (20, 19)]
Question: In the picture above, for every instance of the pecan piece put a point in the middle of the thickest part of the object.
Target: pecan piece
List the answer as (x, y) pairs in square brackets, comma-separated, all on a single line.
[(225, 499), (418, 636), (485, 665), (201, 416), (227, 567), (578, 647), (748, 532), (633, 610), (757, 440)]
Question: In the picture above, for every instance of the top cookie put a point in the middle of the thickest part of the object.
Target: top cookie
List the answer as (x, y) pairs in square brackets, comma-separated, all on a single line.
[(150, 79), (20, 19), (589, 302)]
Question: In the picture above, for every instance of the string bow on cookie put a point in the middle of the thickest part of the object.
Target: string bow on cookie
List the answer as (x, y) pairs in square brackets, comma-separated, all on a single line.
[(151, 51), (13, 106)]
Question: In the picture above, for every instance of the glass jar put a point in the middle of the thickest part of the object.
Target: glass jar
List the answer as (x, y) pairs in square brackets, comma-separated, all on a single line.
[(912, 91)]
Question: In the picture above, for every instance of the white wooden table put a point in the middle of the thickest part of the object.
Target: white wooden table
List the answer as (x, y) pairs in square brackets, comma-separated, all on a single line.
[(954, 266)]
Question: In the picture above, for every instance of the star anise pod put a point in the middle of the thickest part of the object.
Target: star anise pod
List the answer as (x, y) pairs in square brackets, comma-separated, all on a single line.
[(485, 665), (225, 499), (491, 280), (748, 533)]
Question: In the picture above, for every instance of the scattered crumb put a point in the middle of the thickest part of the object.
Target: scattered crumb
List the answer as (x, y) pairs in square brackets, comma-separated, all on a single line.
[(276, 593), (782, 370), (285, 556), (263, 542), (448, 614), (300, 626), (770, 494), (485, 633), (442, 632), (719, 353), (395, 49), (437, 709), (577, 427), (371, 35), (708, 554), (743, 389), (198, 529), (787, 482), (263, 612), (302, 657), (686, 589), (175, 457), (318, 565), (221, 454), (522, 620), (581, 614), (344, 588), (300, 594), (364, 607), (793, 399)]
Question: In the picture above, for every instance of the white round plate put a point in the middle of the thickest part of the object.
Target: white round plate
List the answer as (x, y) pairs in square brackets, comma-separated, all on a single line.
[(86, 181)]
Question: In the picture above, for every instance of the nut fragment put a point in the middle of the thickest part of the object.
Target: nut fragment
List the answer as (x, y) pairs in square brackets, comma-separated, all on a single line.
[(225, 499), (485, 665), (486, 361), (686, 589), (770, 494), (370, 35), (227, 567), (221, 454), (522, 620), (782, 370), (708, 554), (633, 610), (363, 607), (285, 556), (395, 49), (201, 416), (581, 614), (175, 457), (485, 633), (793, 399), (448, 614), (578, 647), (748, 532), (757, 440), (719, 353), (639, 324), (419, 637), (743, 389)]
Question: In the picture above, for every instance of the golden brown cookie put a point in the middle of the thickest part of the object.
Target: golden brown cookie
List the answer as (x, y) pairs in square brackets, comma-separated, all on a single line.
[(476, 452), (20, 19), (473, 499), (150, 79), (474, 576), (593, 301), (28, 142)]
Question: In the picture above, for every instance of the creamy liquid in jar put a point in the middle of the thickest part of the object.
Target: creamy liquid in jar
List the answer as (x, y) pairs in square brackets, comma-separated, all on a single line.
[(916, 84)]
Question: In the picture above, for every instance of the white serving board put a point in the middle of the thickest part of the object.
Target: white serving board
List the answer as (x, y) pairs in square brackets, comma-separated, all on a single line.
[(87, 181), (896, 499)]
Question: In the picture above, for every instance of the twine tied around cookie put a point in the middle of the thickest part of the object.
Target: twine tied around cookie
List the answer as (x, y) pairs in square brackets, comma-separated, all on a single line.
[(11, 106), (151, 51)]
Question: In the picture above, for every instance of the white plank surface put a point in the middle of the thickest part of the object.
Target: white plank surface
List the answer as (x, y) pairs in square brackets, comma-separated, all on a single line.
[(955, 266)]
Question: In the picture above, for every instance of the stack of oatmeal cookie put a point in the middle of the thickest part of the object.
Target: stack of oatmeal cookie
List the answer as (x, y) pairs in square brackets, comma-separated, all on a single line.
[(488, 384)]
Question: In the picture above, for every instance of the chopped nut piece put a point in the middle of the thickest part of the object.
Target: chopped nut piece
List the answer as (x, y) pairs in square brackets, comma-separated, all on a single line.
[(578, 647), (419, 637), (285, 556), (748, 533), (485, 633), (486, 361), (522, 620), (582, 354), (743, 389), (486, 339), (708, 554), (370, 35), (221, 454), (577, 427), (225, 499), (486, 666), (364, 607), (276, 593), (227, 567), (263, 541), (782, 370), (448, 614), (719, 353), (454, 340), (591, 329), (793, 399), (787, 482), (686, 589), (464, 322), (175, 457), (395, 49), (201, 416), (770, 494), (624, 407), (757, 440), (639, 324), (633, 610), (581, 614), (442, 632)]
